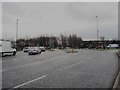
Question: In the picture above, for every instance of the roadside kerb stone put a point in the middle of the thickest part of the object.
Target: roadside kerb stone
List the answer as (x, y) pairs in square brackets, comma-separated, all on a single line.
[(116, 85)]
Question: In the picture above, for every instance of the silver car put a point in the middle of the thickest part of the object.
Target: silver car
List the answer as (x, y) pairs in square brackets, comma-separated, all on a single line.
[(42, 48), (26, 49), (34, 50)]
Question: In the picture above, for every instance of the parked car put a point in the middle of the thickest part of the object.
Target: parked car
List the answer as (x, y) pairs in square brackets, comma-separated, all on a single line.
[(34, 50), (99, 47), (113, 46), (26, 49), (6, 48), (42, 48), (91, 47)]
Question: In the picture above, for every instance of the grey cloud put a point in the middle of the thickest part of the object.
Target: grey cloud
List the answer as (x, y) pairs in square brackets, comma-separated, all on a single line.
[(9, 10), (87, 11), (5, 18), (12, 8), (55, 18)]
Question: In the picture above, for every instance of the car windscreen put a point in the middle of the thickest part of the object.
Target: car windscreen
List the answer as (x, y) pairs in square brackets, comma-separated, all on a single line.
[(33, 48), (26, 48), (41, 47)]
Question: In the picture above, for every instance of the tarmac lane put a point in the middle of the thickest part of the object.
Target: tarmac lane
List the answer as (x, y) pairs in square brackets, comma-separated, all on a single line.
[(58, 69)]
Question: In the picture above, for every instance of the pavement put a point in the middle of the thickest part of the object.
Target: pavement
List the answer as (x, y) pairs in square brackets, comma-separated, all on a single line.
[(58, 69)]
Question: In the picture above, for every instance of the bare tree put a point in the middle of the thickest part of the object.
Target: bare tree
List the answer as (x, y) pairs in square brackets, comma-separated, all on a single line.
[(63, 40), (74, 41)]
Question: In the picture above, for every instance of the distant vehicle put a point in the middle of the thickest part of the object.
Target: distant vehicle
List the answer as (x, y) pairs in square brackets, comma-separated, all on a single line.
[(34, 50), (6, 47), (42, 48), (99, 47), (91, 47), (26, 49), (68, 48), (113, 46)]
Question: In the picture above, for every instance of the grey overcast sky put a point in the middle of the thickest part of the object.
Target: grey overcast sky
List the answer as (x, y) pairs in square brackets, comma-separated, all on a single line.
[(53, 18)]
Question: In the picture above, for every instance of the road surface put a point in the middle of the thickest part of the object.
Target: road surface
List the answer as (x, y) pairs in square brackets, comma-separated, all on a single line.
[(58, 69)]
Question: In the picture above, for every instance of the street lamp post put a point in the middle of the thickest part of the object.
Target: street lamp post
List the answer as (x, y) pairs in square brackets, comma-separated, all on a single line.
[(97, 29), (17, 31)]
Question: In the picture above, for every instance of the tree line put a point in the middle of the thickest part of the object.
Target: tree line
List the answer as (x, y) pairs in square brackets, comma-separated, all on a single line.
[(61, 42)]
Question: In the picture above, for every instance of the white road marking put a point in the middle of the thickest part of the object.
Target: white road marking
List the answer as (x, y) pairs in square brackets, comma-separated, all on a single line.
[(18, 86), (23, 84), (76, 63), (59, 69), (73, 65)]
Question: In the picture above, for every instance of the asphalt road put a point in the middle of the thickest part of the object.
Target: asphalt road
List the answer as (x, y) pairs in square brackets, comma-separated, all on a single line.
[(58, 69)]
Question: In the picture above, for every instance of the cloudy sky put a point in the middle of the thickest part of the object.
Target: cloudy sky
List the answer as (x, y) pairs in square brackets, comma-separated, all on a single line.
[(53, 18)]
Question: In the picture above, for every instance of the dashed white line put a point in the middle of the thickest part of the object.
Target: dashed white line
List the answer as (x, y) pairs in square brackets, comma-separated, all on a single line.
[(23, 84), (73, 65), (77, 63), (18, 86)]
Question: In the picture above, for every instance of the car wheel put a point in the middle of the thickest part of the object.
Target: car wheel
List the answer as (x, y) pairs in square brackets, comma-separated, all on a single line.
[(2, 54), (30, 53), (14, 53)]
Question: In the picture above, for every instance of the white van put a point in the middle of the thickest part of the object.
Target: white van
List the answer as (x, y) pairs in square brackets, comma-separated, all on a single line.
[(113, 46), (6, 47)]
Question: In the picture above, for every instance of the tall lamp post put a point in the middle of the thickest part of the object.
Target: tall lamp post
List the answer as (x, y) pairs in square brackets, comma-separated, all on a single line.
[(17, 21), (97, 29)]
